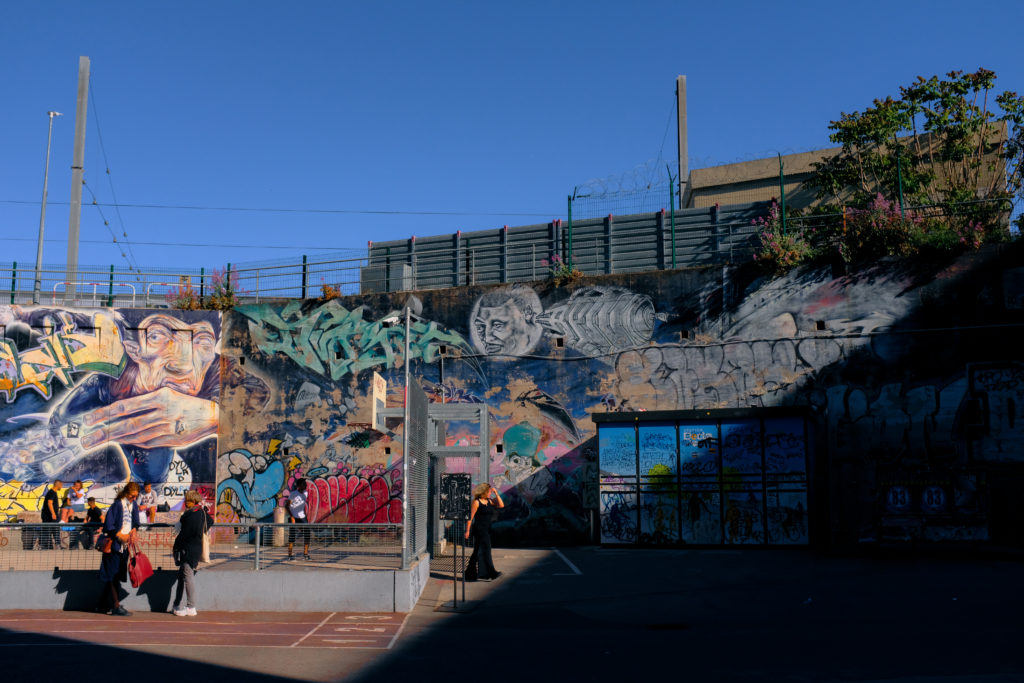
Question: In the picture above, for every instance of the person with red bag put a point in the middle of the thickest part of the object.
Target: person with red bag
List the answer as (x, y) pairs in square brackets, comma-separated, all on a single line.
[(188, 549), (121, 525)]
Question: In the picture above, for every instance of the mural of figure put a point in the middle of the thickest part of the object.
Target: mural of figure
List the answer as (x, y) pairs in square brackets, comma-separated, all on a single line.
[(165, 399), (600, 320), (130, 417), (504, 321)]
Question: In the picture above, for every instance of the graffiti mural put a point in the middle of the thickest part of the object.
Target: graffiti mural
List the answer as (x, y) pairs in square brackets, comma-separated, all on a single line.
[(909, 373), (109, 396)]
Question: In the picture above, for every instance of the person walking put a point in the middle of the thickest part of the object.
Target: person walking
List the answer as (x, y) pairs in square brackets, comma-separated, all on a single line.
[(50, 536), (121, 526), (188, 548), (297, 513), (482, 513)]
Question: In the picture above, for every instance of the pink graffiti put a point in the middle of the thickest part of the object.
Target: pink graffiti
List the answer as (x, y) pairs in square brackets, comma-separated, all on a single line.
[(353, 499)]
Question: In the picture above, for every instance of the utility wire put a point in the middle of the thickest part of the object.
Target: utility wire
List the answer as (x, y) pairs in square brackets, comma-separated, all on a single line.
[(110, 181), (195, 244), (313, 211)]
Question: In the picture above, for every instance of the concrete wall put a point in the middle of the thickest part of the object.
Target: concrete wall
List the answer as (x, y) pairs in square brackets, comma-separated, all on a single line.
[(313, 590), (912, 371)]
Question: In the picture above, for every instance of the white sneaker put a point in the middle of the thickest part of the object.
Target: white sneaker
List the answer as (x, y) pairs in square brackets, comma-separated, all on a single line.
[(180, 612), (191, 611)]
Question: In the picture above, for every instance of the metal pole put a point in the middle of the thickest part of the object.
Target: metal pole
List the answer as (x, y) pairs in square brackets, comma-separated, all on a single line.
[(569, 254), (899, 177), (304, 275), (77, 165), (14, 280), (42, 213), (110, 290), (405, 455), (782, 192), (672, 209)]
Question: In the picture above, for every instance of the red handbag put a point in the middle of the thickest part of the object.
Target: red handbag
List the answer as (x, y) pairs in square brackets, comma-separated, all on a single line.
[(139, 568)]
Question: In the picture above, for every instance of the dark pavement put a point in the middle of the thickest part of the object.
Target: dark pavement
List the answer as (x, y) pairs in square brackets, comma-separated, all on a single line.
[(600, 614)]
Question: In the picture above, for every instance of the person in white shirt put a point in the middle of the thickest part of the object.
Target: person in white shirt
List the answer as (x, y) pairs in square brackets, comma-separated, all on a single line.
[(147, 502), (297, 514)]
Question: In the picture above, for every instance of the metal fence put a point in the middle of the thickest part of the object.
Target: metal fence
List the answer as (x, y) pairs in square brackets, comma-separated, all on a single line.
[(44, 547), (613, 244)]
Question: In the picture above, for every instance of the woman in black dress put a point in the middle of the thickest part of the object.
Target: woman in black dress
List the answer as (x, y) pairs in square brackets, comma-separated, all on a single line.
[(482, 513)]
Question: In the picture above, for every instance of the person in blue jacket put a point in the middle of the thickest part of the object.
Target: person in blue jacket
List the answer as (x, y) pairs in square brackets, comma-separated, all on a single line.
[(121, 526)]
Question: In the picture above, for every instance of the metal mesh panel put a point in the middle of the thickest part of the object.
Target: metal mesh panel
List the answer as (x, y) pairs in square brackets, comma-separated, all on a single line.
[(41, 547), (417, 484)]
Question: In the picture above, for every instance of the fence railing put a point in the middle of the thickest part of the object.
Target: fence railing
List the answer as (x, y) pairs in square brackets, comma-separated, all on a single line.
[(70, 546), (613, 244)]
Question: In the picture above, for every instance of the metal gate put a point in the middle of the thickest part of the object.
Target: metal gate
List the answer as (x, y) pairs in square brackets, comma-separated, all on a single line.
[(472, 459)]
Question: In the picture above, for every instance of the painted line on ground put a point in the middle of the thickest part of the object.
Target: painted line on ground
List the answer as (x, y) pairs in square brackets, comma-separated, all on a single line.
[(576, 570), (315, 628), (398, 632)]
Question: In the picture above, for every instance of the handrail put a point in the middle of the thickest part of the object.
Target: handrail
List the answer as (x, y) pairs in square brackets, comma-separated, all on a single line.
[(94, 286)]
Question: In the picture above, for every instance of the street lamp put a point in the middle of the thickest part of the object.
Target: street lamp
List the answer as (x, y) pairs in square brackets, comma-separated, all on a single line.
[(42, 213)]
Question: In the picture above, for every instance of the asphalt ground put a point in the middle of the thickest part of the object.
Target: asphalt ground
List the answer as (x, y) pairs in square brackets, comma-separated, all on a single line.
[(589, 614)]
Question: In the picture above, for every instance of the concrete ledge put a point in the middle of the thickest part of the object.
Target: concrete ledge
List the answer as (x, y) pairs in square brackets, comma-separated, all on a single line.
[(286, 590)]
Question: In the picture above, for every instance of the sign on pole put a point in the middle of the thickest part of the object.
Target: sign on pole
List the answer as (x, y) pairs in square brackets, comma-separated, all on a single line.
[(380, 402), (456, 496)]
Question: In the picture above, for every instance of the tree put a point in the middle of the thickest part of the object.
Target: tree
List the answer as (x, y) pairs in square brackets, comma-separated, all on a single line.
[(942, 137)]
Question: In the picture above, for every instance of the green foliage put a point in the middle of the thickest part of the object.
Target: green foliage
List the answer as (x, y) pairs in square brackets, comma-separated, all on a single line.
[(222, 296), (858, 235), (183, 297), (941, 135), (779, 250), (223, 290), (561, 272)]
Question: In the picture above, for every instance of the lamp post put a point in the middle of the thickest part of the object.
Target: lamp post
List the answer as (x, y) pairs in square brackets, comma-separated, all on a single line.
[(42, 212)]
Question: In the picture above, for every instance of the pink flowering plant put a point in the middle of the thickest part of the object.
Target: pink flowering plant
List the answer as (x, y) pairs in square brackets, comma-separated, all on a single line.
[(561, 272), (222, 293), (778, 250)]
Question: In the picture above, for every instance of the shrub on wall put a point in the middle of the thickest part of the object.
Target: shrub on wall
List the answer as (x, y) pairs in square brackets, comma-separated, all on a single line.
[(223, 290), (223, 294), (561, 272), (183, 297), (879, 229), (779, 250)]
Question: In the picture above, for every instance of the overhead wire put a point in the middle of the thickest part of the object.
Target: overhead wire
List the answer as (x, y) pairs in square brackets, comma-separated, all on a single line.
[(312, 211), (130, 256)]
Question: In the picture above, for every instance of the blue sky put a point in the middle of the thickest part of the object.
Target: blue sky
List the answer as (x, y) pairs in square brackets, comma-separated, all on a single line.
[(446, 115)]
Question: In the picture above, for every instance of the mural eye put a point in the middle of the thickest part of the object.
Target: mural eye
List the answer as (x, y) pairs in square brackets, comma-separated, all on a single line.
[(498, 325)]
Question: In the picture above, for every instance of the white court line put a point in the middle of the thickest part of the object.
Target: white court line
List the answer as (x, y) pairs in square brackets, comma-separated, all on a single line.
[(397, 633), (574, 568), (315, 628)]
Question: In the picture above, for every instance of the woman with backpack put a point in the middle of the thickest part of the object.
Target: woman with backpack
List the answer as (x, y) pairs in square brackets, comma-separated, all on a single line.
[(188, 549)]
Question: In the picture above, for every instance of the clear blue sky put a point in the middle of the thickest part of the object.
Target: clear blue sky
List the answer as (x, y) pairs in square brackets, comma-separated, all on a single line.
[(491, 111)]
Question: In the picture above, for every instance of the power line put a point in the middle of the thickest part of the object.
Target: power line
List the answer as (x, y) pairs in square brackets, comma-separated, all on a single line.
[(312, 211), (110, 180), (191, 244)]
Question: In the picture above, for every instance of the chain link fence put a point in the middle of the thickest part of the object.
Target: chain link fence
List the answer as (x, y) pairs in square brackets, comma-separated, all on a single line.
[(69, 546)]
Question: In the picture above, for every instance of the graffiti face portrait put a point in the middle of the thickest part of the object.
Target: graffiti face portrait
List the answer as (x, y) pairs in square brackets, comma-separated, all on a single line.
[(504, 322), (172, 353)]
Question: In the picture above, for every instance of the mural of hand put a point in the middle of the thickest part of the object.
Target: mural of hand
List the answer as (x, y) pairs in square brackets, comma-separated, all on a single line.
[(160, 418)]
